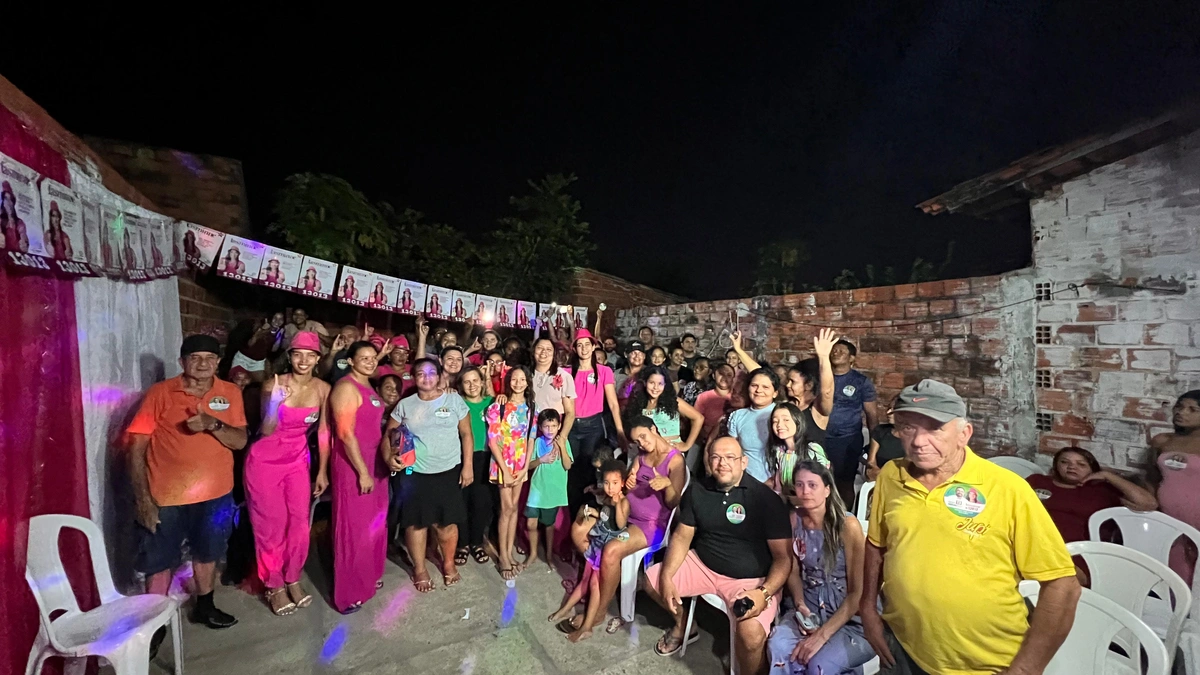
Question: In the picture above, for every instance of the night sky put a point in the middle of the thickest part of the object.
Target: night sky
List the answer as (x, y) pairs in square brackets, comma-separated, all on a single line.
[(697, 135)]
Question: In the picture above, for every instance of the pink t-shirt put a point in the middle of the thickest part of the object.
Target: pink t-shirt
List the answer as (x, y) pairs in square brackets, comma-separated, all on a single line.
[(711, 405), (589, 390)]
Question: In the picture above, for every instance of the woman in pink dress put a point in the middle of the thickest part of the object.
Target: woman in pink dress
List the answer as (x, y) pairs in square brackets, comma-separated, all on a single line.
[(1176, 473), (349, 292), (231, 263), (155, 254), (406, 300), (435, 307), (377, 295), (15, 236), (271, 273), (311, 283), (359, 480), (277, 474), (60, 243), (460, 312), (131, 260), (502, 316), (522, 318)]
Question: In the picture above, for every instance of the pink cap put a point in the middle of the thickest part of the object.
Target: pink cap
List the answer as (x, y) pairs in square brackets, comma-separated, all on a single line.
[(378, 340), (585, 334), (306, 340), (400, 341)]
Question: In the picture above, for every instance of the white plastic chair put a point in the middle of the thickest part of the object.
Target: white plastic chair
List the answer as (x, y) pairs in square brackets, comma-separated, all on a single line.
[(1098, 621), (717, 602), (119, 630), (864, 503), (638, 561), (1127, 577), (1022, 467), (1151, 532)]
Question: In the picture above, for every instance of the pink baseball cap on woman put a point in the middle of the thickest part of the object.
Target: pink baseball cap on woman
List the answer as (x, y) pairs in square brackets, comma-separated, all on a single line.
[(400, 341), (306, 340)]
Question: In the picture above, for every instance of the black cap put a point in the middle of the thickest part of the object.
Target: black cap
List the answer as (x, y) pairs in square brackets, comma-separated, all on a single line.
[(635, 346), (933, 399), (199, 343)]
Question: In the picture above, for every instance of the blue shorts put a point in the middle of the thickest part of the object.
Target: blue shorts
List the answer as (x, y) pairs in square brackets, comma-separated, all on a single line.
[(205, 526)]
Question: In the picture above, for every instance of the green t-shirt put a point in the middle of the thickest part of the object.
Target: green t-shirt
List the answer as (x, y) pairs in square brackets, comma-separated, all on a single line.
[(548, 488), (479, 425)]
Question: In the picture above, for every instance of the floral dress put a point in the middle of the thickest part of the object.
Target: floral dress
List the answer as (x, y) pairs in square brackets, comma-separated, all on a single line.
[(508, 425)]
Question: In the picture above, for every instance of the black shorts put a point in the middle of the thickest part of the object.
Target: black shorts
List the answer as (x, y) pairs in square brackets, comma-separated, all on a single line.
[(205, 526), (431, 499)]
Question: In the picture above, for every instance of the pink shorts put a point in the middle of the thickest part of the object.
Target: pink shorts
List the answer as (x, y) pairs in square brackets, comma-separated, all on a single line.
[(694, 579)]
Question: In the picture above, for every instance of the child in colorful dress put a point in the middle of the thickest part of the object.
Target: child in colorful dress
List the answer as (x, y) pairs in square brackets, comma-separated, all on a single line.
[(508, 434), (604, 517), (548, 488)]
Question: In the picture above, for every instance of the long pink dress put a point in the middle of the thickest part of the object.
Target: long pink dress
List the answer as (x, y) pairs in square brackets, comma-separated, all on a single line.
[(359, 521), (278, 496), (1177, 498)]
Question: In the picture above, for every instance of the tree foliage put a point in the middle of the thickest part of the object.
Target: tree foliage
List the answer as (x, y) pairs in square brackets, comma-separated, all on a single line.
[(325, 217), (434, 253), (774, 274), (778, 266)]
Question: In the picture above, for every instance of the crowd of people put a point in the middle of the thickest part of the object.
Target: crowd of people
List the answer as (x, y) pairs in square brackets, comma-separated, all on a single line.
[(514, 453)]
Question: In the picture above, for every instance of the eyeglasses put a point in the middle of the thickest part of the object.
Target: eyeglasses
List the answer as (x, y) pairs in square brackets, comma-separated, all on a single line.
[(723, 459)]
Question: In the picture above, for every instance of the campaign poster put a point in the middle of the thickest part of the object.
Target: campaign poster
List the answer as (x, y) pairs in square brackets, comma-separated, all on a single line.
[(112, 233), (130, 241), (62, 222), (241, 259), (552, 314), (506, 312), (439, 302), (526, 314), (21, 214), (159, 247), (412, 298), (178, 232), (581, 318), (317, 278), (384, 292), (354, 286), (200, 245), (90, 211), (485, 310), (280, 269), (464, 306)]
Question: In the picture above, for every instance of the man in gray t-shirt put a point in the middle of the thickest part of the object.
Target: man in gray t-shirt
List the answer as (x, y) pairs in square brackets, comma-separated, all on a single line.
[(434, 425)]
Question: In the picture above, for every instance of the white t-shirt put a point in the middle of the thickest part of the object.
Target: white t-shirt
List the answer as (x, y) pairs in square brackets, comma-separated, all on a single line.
[(434, 425), (547, 395)]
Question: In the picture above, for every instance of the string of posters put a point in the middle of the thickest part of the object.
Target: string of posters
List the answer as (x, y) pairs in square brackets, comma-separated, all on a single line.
[(51, 227)]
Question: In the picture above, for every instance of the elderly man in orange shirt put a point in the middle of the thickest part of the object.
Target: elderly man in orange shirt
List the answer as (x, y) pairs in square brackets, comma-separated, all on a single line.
[(181, 463)]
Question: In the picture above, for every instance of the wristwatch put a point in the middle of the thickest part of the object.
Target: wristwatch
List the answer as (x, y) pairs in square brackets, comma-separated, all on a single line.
[(767, 596)]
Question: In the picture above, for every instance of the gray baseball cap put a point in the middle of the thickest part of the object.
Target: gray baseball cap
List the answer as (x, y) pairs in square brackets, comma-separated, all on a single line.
[(933, 399)]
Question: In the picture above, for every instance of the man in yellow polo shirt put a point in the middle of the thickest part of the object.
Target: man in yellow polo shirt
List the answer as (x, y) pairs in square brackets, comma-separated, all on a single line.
[(950, 537)]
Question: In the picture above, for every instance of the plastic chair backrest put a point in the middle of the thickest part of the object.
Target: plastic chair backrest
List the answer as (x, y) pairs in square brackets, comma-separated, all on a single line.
[(864, 502), (1022, 467), (687, 480), (1098, 620), (48, 578), (1127, 577), (1151, 532)]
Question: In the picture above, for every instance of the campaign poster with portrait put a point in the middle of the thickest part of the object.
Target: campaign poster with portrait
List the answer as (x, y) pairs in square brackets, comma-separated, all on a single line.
[(506, 312), (200, 245), (526, 314), (463, 307), (317, 278), (62, 222), (90, 212), (439, 302), (384, 292), (280, 269), (485, 310), (412, 298), (112, 233), (354, 285), (178, 232), (241, 259), (159, 247), (132, 255), (21, 215), (552, 314), (581, 318)]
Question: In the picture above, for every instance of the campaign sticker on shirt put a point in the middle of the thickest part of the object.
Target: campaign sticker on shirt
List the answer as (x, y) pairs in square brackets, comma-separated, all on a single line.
[(376, 402), (964, 500), (1176, 462), (218, 403), (1042, 494), (849, 390), (592, 378), (343, 363), (441, 412), (312, 417), (736, 513)]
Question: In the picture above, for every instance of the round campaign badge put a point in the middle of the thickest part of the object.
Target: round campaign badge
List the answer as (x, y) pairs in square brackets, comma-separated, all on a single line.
[(964, 500), (592, 378), (343, 363), (1176, 462), (218, 403), (312, 417), (1042, 494), (849, 390), (736, 513), (376, 402)]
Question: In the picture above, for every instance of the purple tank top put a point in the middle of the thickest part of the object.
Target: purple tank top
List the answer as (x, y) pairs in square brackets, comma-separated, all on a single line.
[(646, 506), (289, 442)]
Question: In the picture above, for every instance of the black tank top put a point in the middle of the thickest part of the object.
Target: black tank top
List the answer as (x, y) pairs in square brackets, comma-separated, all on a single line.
[(814, 433)]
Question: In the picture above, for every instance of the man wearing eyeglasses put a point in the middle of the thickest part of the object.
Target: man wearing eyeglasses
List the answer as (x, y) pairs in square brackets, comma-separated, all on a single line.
[(181, 464), (732, 541), (957, 533)]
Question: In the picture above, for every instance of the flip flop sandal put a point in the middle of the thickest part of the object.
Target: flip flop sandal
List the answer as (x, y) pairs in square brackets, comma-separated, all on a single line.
[(667, 640), (481, 556), (567, 626), (352, 608), (508, 574), (424, 585), (614, 624), (461, 556), (379, 584), (452, 579)]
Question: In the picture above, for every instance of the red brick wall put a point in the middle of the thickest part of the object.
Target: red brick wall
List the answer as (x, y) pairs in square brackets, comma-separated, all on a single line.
[(591, 287), (904, 333)]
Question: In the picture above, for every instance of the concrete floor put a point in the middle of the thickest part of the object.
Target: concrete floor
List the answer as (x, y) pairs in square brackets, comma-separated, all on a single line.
[(402, 631)]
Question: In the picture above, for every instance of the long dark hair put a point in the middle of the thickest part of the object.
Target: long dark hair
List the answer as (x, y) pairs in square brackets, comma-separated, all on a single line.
[(667, 402), (575, 362), (508, 392), (553, 360), (835, 513), (800, 440), (1193, 395)]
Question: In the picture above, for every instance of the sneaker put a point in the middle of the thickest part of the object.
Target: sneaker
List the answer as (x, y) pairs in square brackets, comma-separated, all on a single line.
[(213, 617)]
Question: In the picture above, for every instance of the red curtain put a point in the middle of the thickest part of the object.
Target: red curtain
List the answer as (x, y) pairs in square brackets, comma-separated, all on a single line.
[(44, 467)]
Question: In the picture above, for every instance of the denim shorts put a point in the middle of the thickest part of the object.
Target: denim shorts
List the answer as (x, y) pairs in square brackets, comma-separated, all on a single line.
[(205, 526)]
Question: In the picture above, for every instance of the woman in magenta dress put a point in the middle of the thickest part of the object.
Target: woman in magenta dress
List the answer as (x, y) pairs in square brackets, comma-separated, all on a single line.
[(277, 474), (377, 295), (271, 273), (1176, 473), (406, 300), (60, 243), (232, 263), (15, 236), (311, 283), (359, 480)]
